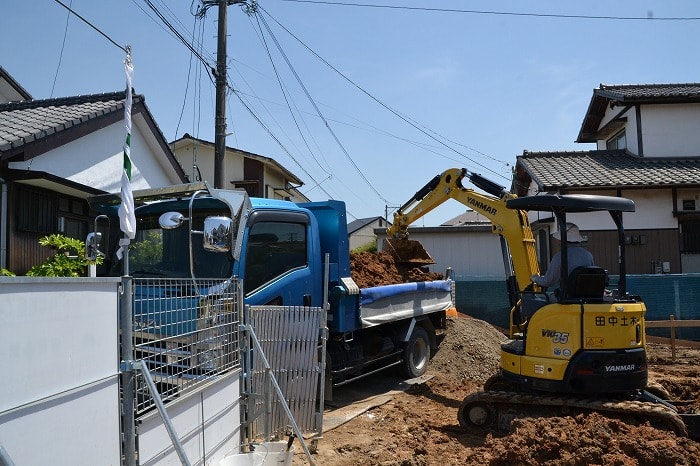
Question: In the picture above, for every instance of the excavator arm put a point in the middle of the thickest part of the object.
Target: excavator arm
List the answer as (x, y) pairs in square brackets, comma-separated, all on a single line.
[(512, 225)]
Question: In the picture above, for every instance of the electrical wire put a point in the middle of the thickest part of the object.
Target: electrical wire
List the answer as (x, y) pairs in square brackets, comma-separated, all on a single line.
[(92, 26), (286, 98), (500, 13), (320, 114), (381, 103)]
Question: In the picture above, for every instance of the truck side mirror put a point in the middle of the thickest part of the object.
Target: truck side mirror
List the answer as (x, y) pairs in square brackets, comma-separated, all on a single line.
[(92, 246), (217, 234)]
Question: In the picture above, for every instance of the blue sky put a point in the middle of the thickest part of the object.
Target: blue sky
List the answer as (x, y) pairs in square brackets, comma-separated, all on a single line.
[(473, 88)]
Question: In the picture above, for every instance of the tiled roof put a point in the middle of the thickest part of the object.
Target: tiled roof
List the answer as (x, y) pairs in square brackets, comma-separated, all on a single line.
[(632, 94), (361, 223), (24, 122), (647, 92), (601, 168)]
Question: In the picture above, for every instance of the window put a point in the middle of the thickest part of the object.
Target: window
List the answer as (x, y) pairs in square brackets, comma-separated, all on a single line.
[(274, 248), (165, 253), (619, 141), (690, 237), (47, 212)]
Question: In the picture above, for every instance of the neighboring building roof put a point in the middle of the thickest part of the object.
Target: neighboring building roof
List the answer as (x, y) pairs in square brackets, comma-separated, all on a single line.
[(552, 171), (261, 158), (31, 128), (360, 223), (470, 217), (22, 94), (629, 95)]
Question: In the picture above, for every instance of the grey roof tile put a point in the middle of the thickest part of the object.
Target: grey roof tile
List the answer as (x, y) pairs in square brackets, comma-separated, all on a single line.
[(628, 92), (601, 168), (632, 94), (28, 121)]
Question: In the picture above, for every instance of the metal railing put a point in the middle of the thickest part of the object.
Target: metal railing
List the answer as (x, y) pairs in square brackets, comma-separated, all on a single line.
[(185, 332)]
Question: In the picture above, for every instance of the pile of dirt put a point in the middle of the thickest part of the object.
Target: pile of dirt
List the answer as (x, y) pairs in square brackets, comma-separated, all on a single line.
[(370, 269), (470, 349), (419, 426), (584, 440)]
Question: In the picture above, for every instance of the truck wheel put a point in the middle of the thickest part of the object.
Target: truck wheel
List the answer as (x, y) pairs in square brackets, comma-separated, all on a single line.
[(416, 354)]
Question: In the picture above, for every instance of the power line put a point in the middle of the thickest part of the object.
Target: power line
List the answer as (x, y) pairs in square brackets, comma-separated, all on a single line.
[(390, 109), (91, 25), (284, 94), (500, 13), (318, 111)]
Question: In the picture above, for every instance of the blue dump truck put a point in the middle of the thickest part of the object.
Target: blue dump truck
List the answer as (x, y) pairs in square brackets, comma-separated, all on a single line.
[(284, 254)]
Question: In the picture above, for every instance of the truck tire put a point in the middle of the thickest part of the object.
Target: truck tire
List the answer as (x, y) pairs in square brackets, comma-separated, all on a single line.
[(416, 354)]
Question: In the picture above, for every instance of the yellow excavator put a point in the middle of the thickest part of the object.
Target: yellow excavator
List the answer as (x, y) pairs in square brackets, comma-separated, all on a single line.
[(580, 349)]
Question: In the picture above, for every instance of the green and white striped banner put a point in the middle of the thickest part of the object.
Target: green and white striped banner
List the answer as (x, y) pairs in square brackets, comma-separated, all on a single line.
[(127, 217)]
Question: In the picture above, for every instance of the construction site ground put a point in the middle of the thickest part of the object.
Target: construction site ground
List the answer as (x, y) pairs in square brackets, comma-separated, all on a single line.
[(384, 420), (387, 421)]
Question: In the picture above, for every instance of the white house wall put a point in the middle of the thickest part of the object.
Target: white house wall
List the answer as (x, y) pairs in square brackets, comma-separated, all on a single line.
[(469, 254), (96, 160), (671, 130), (630, 127), (667, 130), (691, 194), (653, 210), (363, 236)]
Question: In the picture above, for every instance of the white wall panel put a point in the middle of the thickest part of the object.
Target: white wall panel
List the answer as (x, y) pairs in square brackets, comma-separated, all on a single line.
[(59, 355)]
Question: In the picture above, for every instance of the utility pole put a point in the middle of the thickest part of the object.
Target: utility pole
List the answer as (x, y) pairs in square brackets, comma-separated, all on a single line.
[(221, 88), (221, 82)]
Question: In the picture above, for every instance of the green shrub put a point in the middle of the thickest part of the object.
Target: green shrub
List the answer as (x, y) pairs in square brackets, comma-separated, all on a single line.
[(69, 260), (369, 247), (6, 273)]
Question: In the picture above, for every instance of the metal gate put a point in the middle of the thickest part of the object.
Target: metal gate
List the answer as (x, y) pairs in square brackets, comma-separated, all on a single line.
[(292, 341), (180, 339)]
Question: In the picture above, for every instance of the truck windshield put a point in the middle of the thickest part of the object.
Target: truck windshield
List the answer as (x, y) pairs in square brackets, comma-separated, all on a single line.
[(165, 253)]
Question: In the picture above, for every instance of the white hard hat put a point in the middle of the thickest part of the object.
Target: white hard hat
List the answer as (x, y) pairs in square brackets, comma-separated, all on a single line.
[(572, 233)]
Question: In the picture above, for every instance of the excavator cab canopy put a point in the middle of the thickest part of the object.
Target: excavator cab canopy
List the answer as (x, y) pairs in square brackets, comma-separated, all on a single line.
[(571, 203), (561, 204)]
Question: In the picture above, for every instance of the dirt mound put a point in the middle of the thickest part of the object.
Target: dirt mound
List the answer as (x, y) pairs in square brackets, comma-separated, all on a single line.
[(419, 427), (584, 440), (471, 349), (370, 269)]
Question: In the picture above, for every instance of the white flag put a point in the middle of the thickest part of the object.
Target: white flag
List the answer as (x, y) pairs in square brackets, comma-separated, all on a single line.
[(127, 217)]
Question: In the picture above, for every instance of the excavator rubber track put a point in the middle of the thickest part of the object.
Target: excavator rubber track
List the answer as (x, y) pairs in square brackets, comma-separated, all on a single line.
[(495, 410)]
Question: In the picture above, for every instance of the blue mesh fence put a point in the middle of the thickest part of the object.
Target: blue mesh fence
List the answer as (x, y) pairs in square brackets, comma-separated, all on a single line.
[(663, 295)]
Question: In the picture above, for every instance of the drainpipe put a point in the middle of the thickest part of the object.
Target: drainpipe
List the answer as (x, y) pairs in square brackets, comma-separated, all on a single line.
[(3, 225)]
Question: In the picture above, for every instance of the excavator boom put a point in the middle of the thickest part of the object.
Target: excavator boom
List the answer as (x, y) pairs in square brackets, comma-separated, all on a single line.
[(512, 225)]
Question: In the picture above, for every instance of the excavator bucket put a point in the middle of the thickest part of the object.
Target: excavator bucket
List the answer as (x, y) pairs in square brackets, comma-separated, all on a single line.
[(407, 252)]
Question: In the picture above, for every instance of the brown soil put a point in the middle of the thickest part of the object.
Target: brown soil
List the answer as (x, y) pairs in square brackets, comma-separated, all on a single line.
[(419, 426), (370, 269)]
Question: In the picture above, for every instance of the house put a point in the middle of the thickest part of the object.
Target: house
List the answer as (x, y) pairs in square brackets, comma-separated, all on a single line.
[(56, 152), (260, 176), (361, 231), (10, 90), (648, 150)]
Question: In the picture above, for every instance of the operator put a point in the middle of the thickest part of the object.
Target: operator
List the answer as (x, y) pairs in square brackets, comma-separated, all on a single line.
[(577, 257)]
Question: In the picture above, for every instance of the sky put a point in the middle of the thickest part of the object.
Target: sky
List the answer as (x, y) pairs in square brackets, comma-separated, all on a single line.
[(364, 101)]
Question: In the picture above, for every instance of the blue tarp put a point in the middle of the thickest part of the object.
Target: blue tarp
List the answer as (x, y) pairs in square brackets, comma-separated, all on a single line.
[(369, 295)]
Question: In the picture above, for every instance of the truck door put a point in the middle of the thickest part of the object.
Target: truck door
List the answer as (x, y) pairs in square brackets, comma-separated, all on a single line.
[(276, 261)]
